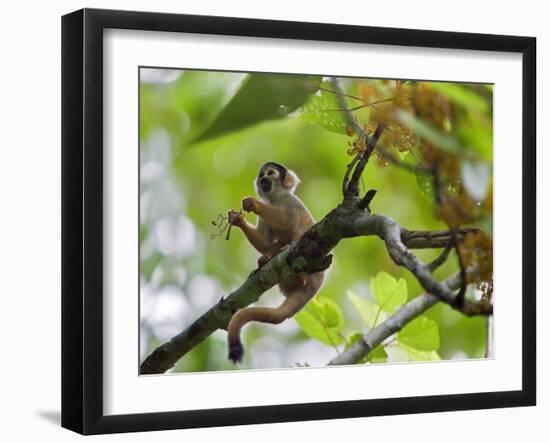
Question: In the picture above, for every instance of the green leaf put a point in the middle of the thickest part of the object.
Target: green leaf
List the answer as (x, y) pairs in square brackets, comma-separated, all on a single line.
[(418, 355), (476, 133), (400, 352), (388, 292), (422, 334), (378, 355), (322, 110), (352, 338), (262, 97), (322, 320), (461, 95), (186, 107), (370, 312)]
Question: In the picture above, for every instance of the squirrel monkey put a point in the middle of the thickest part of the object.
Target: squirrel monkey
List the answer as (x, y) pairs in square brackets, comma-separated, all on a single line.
[(282, 219)]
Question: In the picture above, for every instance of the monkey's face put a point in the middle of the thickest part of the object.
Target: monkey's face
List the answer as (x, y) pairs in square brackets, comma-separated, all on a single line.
[(268, 178), (274, 180)]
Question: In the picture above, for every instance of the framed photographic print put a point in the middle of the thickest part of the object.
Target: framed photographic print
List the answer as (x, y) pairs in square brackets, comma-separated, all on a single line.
[(269, 221)]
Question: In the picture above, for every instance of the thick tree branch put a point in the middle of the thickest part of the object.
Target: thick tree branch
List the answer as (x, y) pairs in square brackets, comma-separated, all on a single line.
[(391, 233), (311, 254), (391, 325), (432, 239)]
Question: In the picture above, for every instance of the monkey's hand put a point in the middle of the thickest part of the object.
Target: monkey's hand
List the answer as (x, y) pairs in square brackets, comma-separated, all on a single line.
[(250, 204), (235, 218)]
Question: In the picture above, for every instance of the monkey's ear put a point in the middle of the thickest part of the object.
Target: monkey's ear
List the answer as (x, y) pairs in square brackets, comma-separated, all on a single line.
[(291, 180)]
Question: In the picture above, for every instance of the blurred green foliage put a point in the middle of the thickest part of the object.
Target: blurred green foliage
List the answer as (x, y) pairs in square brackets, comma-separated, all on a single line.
[(203, 136)]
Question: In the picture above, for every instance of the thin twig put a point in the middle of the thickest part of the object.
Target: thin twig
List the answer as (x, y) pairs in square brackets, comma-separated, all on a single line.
[(340, 93), (441, 258), (350, 117), (353, 185), (355, 108), (364, 105)]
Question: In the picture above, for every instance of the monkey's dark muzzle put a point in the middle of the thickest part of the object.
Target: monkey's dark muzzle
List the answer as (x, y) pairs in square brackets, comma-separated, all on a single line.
[(265, 184)]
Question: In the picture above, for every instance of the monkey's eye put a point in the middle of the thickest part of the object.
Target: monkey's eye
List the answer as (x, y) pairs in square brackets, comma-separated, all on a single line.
[(270, 172)]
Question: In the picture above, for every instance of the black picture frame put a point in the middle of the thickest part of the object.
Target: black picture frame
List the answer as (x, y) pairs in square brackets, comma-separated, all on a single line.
[(82, 220)]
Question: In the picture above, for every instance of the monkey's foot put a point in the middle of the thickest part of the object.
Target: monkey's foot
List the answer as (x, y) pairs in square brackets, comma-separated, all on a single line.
[(236, 352)]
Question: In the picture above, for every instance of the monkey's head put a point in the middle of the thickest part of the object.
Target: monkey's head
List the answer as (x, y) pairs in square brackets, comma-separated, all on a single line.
[(275, 180)]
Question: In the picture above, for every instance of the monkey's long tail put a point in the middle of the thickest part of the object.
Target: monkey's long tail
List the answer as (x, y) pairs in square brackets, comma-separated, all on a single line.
[(266, 315)]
